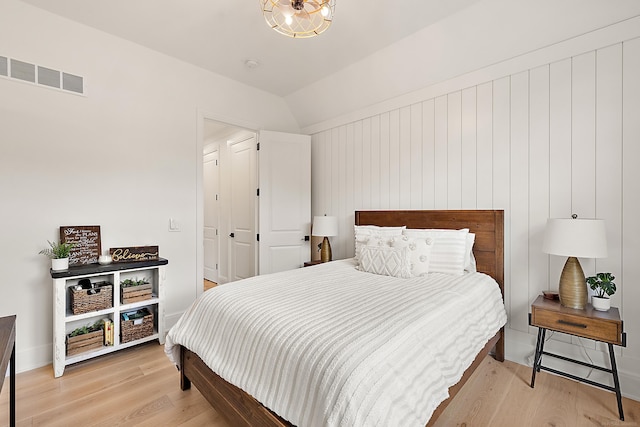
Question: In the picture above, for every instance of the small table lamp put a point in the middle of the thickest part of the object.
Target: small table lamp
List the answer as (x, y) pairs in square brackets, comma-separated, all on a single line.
[(326, 226), (573, 237)]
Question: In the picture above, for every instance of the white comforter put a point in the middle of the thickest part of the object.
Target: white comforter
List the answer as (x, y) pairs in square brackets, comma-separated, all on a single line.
[(333, 346)]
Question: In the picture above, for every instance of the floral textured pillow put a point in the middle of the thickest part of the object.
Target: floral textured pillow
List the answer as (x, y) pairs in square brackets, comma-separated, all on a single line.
[(372, 234), (449, 249), (419, 252)]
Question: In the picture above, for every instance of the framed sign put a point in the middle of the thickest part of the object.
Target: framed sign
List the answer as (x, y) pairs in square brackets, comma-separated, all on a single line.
[(86, 243), (134, 253)]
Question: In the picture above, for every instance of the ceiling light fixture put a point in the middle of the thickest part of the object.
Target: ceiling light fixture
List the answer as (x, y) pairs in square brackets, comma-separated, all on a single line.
[(298, 18)]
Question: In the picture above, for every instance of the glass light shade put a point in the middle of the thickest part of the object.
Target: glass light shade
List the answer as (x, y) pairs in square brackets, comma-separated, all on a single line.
[(298, 18), (584, 238), (325, 226)]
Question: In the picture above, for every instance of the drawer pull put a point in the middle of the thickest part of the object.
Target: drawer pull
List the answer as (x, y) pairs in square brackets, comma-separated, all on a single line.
[(577, 325)]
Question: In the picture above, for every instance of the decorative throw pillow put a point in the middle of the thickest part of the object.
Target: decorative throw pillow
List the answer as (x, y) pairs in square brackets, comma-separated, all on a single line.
[(365, 233), (449, 250), (469, 259), (472, 268), (386, 261), (419, 250)]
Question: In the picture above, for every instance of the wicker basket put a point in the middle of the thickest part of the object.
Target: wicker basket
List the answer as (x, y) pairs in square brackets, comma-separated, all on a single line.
[(86, 300), (135, 329), (85, 342)]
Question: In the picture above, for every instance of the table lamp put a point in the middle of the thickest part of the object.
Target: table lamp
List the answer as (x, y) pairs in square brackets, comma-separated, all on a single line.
[(325, 226), (573, 237)]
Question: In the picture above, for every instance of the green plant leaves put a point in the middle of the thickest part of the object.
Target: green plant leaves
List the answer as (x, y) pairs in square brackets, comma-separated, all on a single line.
[(602, 284), (57, 250)]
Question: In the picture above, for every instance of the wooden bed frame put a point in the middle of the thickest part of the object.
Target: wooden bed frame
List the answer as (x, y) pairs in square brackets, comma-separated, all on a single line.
[(241, 409)]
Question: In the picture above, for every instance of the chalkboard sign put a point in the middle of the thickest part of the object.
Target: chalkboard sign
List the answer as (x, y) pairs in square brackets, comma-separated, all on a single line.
[(86, 243)]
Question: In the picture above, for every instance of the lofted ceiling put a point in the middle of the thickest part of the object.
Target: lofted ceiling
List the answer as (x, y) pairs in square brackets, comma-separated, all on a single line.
[(221, 36)]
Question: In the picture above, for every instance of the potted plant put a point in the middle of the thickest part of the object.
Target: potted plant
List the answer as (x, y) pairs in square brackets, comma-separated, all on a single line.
[(602, 284), (59, 254)]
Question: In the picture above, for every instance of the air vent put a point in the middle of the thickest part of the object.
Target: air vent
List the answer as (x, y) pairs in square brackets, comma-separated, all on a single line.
[(4, 67), (40, 75), (23, 71), (48, 77), (72, 83)]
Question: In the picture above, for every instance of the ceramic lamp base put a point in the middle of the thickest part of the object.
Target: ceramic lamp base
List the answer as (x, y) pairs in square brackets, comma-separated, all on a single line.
[(573, 287), (325, 250)]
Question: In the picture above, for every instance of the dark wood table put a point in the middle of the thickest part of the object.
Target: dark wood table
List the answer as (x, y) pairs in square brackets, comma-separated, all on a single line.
[(8, 353)]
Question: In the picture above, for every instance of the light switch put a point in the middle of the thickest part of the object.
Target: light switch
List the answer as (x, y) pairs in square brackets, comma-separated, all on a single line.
[(173, 225)]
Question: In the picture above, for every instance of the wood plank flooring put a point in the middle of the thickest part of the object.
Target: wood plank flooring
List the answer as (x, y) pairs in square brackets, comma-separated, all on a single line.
[(208, 284), (140, 387)]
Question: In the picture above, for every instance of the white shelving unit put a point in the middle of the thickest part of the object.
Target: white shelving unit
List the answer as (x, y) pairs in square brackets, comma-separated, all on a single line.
[(64, 321)]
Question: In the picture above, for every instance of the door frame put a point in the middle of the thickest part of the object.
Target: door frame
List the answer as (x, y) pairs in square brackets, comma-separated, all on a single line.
[(214, 271), (201, 116)]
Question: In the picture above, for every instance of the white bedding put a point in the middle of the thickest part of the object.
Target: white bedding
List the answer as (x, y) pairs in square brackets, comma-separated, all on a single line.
[(333, 346)]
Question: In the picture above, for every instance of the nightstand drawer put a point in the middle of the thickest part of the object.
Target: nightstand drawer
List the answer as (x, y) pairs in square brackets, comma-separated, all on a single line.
[(578, 325)]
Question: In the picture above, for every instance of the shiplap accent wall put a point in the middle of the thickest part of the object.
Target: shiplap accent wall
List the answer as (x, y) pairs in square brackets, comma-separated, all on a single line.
[(549, 141)]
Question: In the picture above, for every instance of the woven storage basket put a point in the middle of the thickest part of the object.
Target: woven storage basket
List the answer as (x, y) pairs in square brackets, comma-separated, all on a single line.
[(85, 300), (135, 329)]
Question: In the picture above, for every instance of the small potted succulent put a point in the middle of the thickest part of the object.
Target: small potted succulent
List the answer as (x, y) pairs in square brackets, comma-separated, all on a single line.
[(602, 284), (59, 254)]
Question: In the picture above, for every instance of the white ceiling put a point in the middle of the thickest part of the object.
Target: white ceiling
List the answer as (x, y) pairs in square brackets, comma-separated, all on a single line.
[(222, 35)]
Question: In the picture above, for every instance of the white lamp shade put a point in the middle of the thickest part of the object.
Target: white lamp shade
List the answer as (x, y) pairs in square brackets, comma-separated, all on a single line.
[(325, 226), (584, 238)]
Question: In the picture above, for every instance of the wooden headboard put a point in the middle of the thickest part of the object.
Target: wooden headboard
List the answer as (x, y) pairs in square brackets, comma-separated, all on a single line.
[(488, 226)]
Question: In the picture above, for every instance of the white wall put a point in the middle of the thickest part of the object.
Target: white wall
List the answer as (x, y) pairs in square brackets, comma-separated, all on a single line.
[(125, 157), (487, 32), (547, 134)]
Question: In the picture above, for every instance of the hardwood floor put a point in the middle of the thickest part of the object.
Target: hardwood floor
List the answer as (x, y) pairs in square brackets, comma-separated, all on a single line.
[(135, 387), (208, 284), (498, 394), (140, 387)]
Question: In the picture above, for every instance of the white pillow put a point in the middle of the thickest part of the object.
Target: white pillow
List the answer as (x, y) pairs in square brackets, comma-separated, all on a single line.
[(449, 250), (472, 268), (419, 250), (386, 261), (365, 233), (469, 259)]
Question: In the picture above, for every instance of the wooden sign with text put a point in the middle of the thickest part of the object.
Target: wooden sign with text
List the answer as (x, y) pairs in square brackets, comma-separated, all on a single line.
[(134, 253), (86, 243)]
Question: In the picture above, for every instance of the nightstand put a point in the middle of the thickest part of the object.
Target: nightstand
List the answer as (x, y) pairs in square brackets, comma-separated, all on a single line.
[(603, 326), (314, 262)]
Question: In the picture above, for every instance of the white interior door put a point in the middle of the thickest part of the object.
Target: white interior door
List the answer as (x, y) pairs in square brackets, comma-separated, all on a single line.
[(242, 201), (211, 189), (285, 200)]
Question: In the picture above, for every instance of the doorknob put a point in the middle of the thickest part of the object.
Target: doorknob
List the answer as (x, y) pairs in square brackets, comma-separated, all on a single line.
[(232, 234), (306, 238)]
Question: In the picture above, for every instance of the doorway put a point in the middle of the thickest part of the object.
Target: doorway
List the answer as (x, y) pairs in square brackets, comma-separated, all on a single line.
[(217, 140), (280, 176)]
